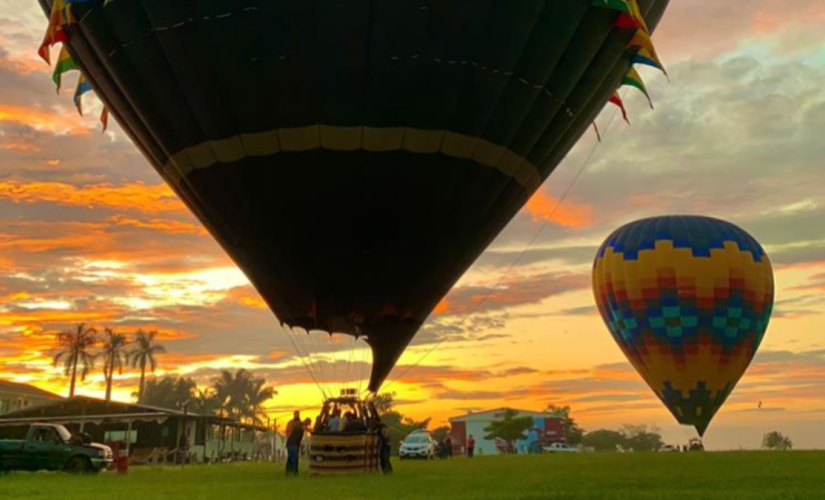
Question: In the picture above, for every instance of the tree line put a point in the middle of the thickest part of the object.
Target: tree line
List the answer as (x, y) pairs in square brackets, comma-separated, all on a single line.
[(239, 396), (510, 428), (83, 349)]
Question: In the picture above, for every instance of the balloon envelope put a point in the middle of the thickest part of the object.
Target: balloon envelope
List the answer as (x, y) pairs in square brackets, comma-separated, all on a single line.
[(688, 300), (354, 157)]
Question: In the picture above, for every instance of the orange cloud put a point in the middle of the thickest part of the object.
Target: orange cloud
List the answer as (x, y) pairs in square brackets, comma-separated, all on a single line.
[(811, 265), (543, 207), (442, 307), (172, 360), (254, 302), (166, 226), (247, 297), (47, 316), (42, 237), (18, 145), (155, 198), (23, 66), (511, 292), (62, 122)]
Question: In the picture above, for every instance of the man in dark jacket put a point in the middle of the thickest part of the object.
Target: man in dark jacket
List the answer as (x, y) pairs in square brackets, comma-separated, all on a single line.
[(293, 445)]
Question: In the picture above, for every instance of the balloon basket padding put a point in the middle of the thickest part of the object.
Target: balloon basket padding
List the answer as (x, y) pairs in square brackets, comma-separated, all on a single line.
[(338, 454)]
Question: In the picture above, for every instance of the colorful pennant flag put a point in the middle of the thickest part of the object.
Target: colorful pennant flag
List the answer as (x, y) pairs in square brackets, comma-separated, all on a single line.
[(642, 40), (55, 33), (636, 14), (630, 14), (647, 52), (627, 22), (596, 128), (104, 118), (83, 86), (617, 100), (634, 79), (65, 63), (620, 5), (647, 58)]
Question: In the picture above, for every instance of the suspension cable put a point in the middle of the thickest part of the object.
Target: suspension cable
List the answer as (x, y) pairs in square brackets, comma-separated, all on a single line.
[(290, 334)]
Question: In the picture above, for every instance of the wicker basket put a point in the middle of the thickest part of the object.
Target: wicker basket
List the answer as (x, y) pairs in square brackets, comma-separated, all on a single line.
[(343, 453)]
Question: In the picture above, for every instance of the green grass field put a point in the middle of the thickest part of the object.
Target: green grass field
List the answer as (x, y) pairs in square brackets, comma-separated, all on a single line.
[(691, 476)]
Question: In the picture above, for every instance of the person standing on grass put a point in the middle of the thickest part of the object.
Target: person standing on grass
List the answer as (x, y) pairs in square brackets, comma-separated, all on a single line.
[(384, 448), (293, 444), (448, 444), (471, 447)]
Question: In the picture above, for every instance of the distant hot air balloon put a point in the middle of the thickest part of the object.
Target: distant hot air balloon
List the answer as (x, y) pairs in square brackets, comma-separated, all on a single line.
[(688, 300), (355, 157)]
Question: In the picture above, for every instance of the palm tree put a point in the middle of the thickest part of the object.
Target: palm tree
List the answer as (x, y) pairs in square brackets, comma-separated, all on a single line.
[(75, 348), (242, 395), (143, 355), (169, 392), (230, 389), (206, 402), (114, 356), (258, 394)]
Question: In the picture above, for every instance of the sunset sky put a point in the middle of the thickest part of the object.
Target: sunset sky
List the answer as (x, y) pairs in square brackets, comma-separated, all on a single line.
[(89, 233)]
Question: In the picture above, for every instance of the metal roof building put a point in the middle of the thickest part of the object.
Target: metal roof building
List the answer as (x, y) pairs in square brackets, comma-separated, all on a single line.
[(147, 433), (546, 429)]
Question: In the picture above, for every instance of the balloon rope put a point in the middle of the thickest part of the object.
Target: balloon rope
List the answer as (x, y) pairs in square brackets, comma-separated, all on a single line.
[(317, 344), (358, 360), (521, 255), (290, 333), (307, 360), (350, 356), (310, 343), (309, 347), (287, 412)]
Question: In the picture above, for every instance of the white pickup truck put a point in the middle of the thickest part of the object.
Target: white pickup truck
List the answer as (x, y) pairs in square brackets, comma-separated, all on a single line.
[(559, 448)]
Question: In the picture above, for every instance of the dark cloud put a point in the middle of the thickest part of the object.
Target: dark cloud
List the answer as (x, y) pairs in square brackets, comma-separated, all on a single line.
[(800, 306), (513, 291), (574, 256), (579, 311), (813, 252), (456, 395), (521, 370), (603, 398)]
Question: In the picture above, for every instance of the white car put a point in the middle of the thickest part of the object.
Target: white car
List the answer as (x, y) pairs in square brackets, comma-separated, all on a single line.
[(559, 448), (418, 445)]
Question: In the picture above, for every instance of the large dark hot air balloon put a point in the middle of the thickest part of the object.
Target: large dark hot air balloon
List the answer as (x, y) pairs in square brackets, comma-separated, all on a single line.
[(688, 300), (354, 157)]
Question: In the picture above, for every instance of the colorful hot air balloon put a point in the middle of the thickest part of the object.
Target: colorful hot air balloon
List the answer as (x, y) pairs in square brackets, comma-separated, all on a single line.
[(688, 300), (355, 157)]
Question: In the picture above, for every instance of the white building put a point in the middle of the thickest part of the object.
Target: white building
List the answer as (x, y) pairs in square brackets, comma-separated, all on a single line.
[(546, 429)]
